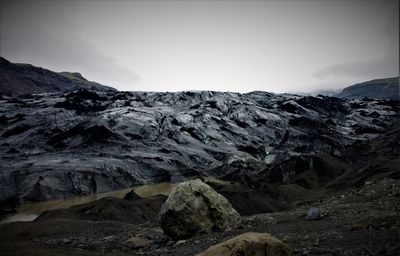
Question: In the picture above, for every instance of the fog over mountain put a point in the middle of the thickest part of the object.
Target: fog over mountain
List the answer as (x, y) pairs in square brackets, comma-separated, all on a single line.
[(241, 46)]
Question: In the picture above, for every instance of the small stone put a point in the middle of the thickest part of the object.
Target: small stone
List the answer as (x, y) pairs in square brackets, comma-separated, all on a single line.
[(65, 240), (160, 250), (138, 242), (108, 238), (356, 227), (313, 214), (368, 182), (180, 242)]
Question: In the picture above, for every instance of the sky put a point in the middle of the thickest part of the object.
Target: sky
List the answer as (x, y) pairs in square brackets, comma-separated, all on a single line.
[(239, 46)]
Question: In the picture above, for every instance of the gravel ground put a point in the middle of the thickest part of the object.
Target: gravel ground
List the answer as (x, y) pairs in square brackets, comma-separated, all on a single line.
[(365, 221)]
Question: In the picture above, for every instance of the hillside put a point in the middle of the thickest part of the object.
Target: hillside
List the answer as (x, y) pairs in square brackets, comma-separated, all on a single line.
[(19, 79), (386, 88)]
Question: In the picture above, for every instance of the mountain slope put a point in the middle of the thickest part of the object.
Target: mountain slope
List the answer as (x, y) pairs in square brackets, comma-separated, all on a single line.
[(386, 88), (18, 79)]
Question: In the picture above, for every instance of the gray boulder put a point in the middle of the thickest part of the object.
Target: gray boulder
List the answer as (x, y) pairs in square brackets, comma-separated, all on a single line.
[(313, 214), (194, 207)]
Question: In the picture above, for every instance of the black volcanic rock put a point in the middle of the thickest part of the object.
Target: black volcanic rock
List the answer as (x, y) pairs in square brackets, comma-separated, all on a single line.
[(85, 136), (50, 150), (83, 101), (132, 196), (111, 209), (247, 201), (19, 79), (387, 88), (375, 158)]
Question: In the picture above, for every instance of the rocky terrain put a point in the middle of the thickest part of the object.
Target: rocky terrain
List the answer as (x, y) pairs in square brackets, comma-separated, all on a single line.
[(59, 145), (362, 220), (320, 174), (19, 79)]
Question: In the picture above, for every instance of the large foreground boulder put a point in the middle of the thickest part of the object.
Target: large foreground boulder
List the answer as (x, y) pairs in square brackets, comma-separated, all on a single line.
[(194, 207), (254, 244)]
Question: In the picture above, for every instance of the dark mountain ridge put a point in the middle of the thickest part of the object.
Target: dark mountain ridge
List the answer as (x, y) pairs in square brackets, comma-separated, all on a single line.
[(385, 88), (18, 79)]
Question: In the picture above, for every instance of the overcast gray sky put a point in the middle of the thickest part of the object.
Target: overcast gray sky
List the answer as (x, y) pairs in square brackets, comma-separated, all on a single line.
[(277, 46)]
